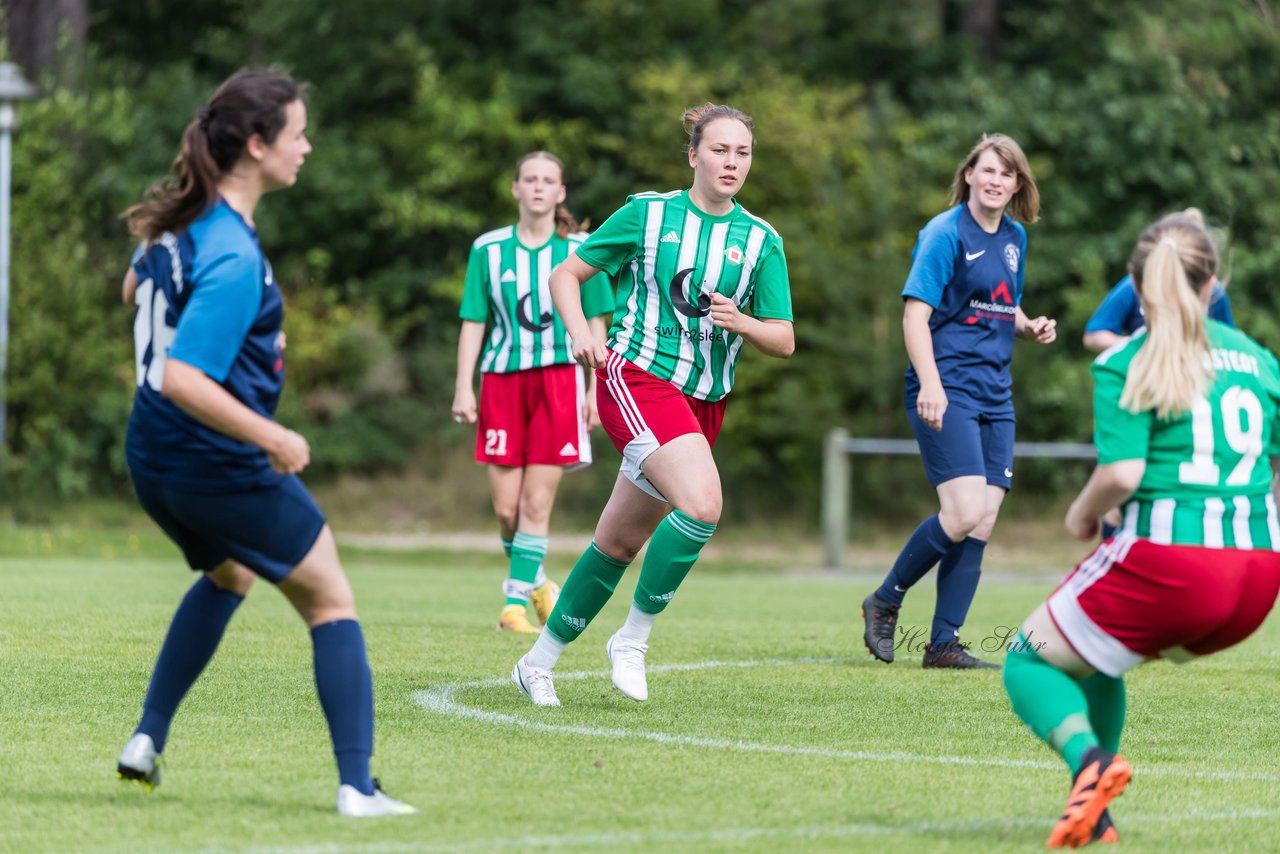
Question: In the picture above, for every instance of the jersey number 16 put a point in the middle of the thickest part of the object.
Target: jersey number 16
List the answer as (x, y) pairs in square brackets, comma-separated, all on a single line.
[(152, 335)]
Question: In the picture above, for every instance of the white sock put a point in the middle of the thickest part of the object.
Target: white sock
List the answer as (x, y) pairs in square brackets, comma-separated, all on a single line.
[(546, 651), (638, 625)]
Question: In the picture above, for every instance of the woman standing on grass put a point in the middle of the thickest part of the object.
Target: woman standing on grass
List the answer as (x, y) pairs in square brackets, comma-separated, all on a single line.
[(208, 462), (963, 309), (1183, 414), (686, 263), (534, 412)]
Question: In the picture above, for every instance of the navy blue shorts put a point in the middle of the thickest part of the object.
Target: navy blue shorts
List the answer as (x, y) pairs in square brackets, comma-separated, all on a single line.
[(969, 444), (269, 529)]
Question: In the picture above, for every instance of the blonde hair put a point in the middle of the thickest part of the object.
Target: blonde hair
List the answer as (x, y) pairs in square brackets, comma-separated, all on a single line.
[(566, 224), (697, 118), (1174, 261), (1025, 204)]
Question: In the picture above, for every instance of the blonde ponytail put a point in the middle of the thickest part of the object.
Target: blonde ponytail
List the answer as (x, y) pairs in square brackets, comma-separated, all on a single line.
[(1174, 261)]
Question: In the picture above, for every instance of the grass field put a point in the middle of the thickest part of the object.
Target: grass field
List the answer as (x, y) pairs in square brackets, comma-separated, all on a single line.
[(767, 726)]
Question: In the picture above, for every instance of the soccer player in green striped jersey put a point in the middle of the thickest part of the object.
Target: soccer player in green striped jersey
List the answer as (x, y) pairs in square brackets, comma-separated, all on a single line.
[(1184, 413), (686, 264), (535, 407)]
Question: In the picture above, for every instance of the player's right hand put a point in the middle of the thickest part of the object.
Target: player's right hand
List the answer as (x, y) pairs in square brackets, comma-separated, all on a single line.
[(931, 404), (589, 352), (464, 406), (290, 453)]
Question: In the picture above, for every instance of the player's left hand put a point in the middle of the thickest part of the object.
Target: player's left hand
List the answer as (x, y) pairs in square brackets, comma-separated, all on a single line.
[(1042, 330), (725, 314), (1079, 524)]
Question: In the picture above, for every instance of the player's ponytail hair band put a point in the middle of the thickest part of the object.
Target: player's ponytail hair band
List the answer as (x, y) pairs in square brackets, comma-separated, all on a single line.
[(204, 115)]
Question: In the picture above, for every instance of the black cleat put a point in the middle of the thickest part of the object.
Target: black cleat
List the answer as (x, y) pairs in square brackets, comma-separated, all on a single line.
[(882, 620), (954, 655), (1105, 829)]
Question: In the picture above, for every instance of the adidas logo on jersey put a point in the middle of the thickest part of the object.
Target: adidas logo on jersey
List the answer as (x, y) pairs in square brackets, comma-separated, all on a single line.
[(578, 624), (568, 450), (508, 276), (670, 237)]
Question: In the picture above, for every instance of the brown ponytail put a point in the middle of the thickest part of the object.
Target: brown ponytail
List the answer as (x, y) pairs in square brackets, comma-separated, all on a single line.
[(248, 103)]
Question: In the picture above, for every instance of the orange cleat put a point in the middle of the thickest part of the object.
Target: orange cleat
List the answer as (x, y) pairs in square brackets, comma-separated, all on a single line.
[(1102, 777)]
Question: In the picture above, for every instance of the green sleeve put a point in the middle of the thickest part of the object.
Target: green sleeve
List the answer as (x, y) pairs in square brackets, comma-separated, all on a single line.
[(1118, 433), (597, 296), (475, 292), (771, 298), (1271, 378), (615, 243)]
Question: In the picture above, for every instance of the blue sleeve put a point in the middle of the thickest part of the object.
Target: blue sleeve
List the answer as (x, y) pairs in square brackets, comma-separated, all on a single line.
[(1113, 313), (225, 299), (1220, 307), (933, 263)]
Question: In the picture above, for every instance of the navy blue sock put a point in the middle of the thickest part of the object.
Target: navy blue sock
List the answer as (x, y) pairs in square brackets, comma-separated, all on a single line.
[(345, 685), (957, 583), (925, 547), (194, 635)]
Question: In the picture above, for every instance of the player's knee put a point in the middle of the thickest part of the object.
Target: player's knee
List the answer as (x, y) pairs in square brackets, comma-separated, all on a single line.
[(705, 508), (508, 515), (961, 521), (535, 509), (621, 549)]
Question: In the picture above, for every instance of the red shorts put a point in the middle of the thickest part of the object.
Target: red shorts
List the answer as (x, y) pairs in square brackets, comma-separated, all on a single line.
[(1131, 600), (533, 418), (641, 413)]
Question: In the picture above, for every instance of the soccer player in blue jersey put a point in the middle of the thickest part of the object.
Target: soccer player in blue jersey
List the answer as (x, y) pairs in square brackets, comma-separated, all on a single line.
[(1119, 315), (535, 407), (963, 309), (208, 461)]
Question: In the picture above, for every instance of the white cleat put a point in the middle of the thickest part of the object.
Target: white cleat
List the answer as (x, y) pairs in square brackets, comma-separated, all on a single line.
[(354, 804), (140, 762), (535, 683), (627, 657)]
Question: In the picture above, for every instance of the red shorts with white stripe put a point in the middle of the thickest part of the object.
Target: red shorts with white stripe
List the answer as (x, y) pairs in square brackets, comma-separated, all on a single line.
[(641, 413), (533, 418), (1132, 600)]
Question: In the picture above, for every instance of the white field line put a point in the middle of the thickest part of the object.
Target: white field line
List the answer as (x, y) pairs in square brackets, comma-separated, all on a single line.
[(738, 834), (440, 699)]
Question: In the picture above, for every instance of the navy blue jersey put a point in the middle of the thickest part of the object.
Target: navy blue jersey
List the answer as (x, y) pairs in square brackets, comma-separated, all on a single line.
[(1121, 311), (973, 280), (206, 297)]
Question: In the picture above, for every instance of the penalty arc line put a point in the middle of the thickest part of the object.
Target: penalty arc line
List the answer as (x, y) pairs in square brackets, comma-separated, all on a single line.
[(440, 700)]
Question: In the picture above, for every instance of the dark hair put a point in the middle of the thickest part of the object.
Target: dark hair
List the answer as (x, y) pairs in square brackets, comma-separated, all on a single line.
[(565, 223), (1025, 204), (697, 118), (249, 102)]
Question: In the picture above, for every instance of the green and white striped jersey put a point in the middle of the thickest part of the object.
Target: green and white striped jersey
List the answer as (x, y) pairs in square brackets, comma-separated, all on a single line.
[(667, 257), (1208, 475), (507, 281)]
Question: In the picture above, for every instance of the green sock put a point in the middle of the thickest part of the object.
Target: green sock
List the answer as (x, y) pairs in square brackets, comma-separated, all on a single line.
[(506, 547), (588, 587), (527, 552), (1050, 703), (1105, 695), (673, 548)]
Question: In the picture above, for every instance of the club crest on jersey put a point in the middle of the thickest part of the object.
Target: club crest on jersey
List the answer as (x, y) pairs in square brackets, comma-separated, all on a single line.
[(733, 255), (702, 305), (524, 316), (1011, 257)]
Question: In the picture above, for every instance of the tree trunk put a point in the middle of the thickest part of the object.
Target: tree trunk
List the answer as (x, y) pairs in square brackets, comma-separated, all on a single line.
[(47, 35), (980, 19)]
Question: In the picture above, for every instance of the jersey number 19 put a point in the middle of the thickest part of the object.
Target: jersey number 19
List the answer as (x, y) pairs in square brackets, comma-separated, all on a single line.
[(1242, 429)]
